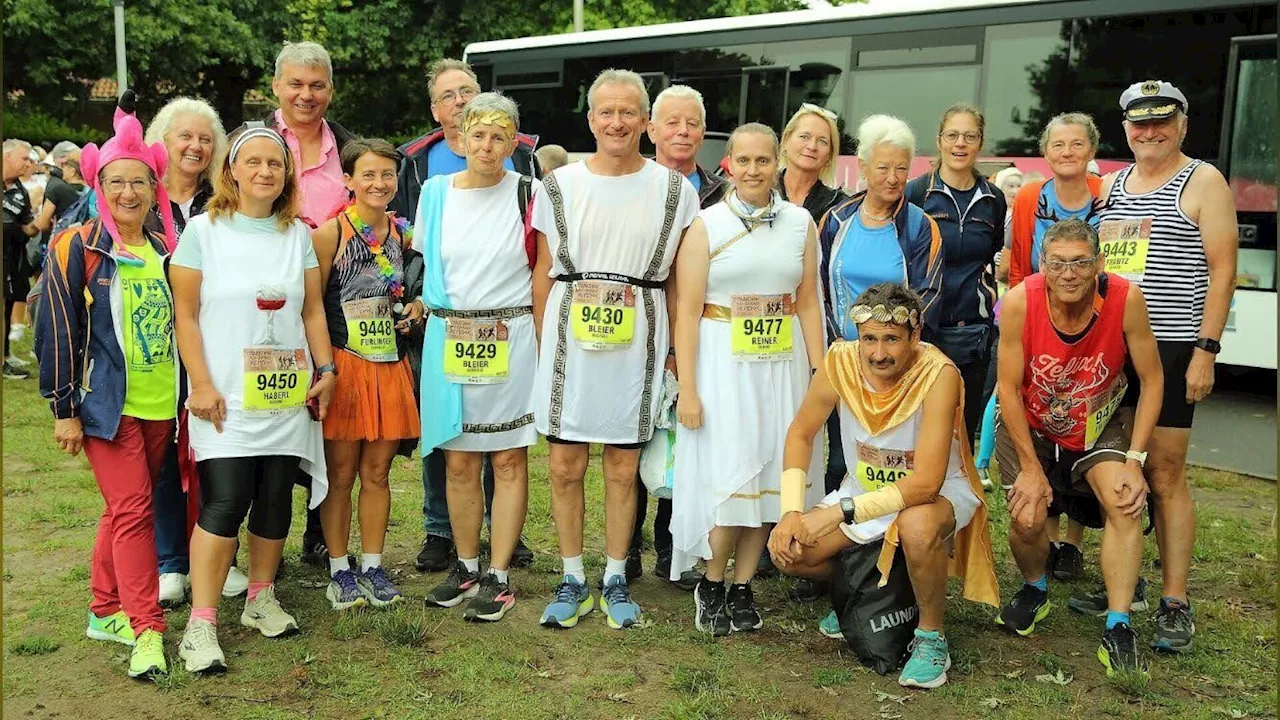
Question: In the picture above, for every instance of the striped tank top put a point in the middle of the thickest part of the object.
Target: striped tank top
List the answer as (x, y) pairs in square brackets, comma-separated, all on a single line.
[(355, 275), (1175, 279)]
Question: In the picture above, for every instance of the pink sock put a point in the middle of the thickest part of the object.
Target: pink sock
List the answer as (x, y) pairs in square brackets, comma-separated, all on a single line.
[(257, 587), (207, 614)]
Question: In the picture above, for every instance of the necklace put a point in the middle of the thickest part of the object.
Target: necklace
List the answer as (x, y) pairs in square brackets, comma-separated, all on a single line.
[(393, 280), (874, 218)]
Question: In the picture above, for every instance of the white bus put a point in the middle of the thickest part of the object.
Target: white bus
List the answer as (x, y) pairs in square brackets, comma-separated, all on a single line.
[(1022, 62)]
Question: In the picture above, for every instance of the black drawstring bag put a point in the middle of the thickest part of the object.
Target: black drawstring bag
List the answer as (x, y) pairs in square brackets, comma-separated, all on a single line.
[(878, 622)]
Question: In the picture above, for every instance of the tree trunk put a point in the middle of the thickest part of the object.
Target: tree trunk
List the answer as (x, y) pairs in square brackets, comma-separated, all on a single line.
[(227, 95)]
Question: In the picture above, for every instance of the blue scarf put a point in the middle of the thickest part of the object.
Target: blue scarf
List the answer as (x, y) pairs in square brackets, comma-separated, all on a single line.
[(441, 409)]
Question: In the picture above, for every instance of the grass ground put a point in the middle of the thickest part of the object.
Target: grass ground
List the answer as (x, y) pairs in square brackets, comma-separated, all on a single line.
[(415, 663)]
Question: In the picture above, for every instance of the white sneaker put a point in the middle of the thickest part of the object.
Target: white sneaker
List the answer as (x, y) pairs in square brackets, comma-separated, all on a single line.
[(200, 649), (236, 584), (265, 615), (984, 474), (16, 361), (173, 589), (16, 331)]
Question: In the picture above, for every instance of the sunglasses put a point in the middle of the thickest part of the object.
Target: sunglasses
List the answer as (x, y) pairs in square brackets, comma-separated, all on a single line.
[(810, 107)]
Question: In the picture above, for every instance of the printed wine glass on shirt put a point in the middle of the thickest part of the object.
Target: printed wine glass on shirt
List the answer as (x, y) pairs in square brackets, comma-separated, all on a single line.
[(270, 299)]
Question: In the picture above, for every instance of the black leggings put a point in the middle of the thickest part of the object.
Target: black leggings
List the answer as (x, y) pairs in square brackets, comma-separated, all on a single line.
[(260, 487)]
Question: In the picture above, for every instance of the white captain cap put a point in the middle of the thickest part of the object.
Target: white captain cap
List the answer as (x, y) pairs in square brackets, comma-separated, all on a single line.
[(1151, 100)]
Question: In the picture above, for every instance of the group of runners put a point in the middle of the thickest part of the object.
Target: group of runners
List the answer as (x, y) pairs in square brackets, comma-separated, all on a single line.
[(296, 305)]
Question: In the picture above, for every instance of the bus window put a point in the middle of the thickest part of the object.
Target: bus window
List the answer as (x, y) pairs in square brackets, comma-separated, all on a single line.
[(1250, 164), (1014, 53), (766, 98), (917, 95)]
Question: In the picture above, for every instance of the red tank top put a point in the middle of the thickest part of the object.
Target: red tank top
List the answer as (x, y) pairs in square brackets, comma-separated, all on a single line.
[(1071, 390)]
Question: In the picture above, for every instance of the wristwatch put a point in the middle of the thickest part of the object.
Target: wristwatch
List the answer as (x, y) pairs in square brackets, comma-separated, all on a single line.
[(1141, 457), (1209, 345), (847, 507), (327, 368)]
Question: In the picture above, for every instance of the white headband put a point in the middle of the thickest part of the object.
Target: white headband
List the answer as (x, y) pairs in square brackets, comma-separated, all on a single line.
[(257, 132)]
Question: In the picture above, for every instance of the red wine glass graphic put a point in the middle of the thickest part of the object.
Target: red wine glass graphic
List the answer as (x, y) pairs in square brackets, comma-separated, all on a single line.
[(270, 299)]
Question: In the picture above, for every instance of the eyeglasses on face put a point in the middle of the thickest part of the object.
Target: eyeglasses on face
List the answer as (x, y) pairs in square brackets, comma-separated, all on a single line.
[(1082, 265), (450, 97), (116, 185), (952, 136)]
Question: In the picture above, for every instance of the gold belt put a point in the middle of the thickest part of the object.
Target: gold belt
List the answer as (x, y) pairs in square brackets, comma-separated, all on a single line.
[(721, 313)]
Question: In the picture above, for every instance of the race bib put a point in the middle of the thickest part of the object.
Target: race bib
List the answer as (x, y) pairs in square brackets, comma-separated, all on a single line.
[(761, 327), (275, 379), (370, 330), (1101, 408), (878, 467), (1125, 243), (476, 352), (604, 315)]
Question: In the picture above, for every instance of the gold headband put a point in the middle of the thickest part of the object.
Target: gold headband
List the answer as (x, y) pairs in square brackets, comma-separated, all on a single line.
[(898, 315), (489, 117)]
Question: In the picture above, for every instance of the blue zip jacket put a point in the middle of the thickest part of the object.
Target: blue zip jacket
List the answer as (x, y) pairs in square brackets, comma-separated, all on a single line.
[(78, 340), (971, 237), (921, 246)]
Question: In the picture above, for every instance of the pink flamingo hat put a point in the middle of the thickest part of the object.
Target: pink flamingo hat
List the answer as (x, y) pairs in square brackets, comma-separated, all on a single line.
[(127, 144)]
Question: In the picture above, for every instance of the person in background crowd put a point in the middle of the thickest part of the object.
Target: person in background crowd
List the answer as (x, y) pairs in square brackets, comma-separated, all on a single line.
[(106, 322), (551, 157), (748, 334), (1178, 215), (18, 226), (914, 485), (451, 84), (607, 238), (64, 187), (476, 402), (677, 130), (1069, 331), (1009, 180), (254, 341), (361, 255), (969, 211)]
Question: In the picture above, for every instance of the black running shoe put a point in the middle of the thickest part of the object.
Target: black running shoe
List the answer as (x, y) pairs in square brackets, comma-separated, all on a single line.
[(1174, 626), (766, 569), (315, 552), (436, 554), (1070, 562), (522, 557), (1095, 602), (1029, 606), (13, 372), (1051, 560), (492, 601), (1119, 651), (712, 612), (741, 603), (662, 568), (634, 570), (662, 565), (460, 585), (806, 590)]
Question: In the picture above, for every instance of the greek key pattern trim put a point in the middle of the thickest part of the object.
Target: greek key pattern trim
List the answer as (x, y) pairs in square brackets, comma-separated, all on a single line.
[(668, 221), (558, 365), (499, 314), (557, 206), (650, 364), (483, 428)]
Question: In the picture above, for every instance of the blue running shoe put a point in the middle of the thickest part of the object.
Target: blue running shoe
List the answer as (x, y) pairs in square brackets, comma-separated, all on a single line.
[(830, 626), (344, 592), (615, 600), (573, 600), (378, 588), (929, 662)]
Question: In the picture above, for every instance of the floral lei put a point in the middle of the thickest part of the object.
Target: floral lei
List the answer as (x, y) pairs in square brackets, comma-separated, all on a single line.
[(395, 285)]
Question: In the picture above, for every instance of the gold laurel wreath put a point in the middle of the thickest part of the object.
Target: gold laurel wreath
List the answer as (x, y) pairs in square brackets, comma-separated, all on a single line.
[(898, 315), (489, 117)]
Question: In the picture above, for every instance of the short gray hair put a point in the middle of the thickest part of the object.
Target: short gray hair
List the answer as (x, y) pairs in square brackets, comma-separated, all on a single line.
[(613, 76), (551, 157), (491, 102), (1071, 229), (442, 66), (305, 54), (15, 144), (682, 92), (884, 130), (162, 124), (1084, 120), (62, 150)]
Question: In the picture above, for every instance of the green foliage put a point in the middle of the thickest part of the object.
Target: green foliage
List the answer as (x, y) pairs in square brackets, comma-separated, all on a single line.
[(37, 126), (36, 645)]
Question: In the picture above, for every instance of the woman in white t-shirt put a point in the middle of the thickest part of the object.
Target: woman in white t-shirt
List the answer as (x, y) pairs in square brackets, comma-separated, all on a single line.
[(253, 338), (479, 356)]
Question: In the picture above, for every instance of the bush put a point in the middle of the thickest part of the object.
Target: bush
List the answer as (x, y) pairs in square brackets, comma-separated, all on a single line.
[(37, 645), (40, 128)]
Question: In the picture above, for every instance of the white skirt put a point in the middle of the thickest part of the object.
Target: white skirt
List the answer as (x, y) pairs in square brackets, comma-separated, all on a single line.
[(729, 471), (500, 416)]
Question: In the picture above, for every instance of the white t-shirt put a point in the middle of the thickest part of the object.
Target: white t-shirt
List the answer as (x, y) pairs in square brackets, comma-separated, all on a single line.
[(239, 258)]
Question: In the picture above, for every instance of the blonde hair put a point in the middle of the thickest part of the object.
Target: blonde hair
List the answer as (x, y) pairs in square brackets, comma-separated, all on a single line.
[(752, 127), (828, 172), (286, 208)]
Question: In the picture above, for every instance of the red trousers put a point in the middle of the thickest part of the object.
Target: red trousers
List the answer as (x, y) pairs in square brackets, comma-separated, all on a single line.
[(122, 574)]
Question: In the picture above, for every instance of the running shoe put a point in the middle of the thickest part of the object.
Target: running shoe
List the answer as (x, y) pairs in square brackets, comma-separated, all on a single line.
[(112, 628), (766, 569), (741, 603), (17, 361), (436, 554), (1070, 562), (460, 585), (314, 552), (344, 591), (662, 568), (984, 475), (929, 662), (237, 583), (830, 626), (173, 589), (806, 590), (615, 602), (522, 556), (492, 602), (200, 649), (634, 569), (1119, 651), (264, 614), (1095, 602), (1174, 626), (573, 600), (711, 613), (16, 331), (13, 372), (378, 588), (147, 659), (1029, 606)]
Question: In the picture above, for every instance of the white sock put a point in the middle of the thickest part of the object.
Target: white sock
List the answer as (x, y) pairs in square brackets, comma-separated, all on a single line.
[(368, 561), (573, 568), (614, 567), (338, 564), (501, 574), (472, 564)]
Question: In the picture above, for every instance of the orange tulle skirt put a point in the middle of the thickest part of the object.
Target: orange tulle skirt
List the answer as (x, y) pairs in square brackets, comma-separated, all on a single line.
[(372, 400)]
